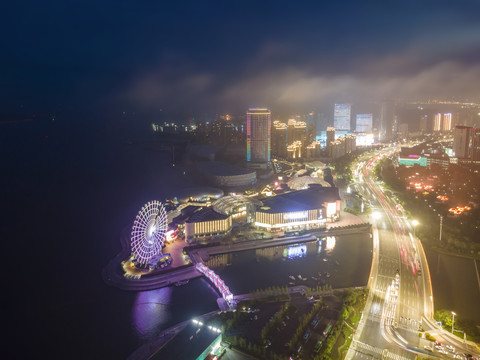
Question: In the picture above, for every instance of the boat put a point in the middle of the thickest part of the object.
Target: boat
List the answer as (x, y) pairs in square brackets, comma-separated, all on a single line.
[(327, 274), (291, 277), (300, 277), (337, 262), (291, 283), (324, 259)]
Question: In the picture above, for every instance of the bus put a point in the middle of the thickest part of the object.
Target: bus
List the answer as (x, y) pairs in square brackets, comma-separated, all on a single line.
[(327, 330)]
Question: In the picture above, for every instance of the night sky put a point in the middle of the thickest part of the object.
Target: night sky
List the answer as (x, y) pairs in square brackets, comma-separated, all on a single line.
[(105, 57)]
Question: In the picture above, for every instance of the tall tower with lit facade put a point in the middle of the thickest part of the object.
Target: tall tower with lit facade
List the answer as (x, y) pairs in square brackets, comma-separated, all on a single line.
[(437, 123), (279, 138), (330, 139), (447, 122), (258, 138)]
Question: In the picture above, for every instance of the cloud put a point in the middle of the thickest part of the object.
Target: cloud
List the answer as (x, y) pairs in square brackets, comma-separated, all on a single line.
[(295, 85)]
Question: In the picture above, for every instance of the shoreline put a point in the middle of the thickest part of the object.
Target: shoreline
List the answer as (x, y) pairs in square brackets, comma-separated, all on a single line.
[(112, 275), (153, 346)]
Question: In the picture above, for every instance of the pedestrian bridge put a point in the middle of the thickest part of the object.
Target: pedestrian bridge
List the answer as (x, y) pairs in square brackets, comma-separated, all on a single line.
[(217, 281)]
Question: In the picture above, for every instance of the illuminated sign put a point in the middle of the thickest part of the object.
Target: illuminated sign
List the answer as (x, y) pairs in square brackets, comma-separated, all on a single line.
[(364, 123), (296, 215), (364, 139), (422, 161), (331, 209)]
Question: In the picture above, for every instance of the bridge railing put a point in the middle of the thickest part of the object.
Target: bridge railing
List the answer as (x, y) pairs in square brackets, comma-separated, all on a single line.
[(216, 280)]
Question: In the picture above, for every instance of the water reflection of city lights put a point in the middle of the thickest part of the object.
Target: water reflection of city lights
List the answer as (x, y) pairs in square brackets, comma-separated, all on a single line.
[(149, 311), (296, 251), (330, 243)]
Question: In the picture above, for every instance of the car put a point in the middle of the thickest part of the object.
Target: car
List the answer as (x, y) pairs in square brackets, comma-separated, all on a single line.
[(450, 348), (429, 348)]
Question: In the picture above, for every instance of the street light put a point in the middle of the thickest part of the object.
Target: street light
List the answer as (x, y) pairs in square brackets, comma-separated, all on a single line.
[(376, 215), (414, 223), (453, 319)]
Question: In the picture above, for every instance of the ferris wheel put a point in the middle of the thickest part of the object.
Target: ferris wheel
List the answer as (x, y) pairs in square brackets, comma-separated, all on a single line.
[(148, 232)]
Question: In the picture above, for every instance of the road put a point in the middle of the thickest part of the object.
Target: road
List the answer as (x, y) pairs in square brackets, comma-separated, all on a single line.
[(398, 305)]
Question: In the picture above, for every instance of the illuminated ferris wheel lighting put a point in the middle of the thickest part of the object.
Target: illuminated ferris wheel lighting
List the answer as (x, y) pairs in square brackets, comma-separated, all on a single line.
[(148, 232)]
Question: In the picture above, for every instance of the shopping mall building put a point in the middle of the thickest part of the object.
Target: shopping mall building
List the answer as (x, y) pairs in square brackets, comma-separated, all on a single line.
[(303, 209)]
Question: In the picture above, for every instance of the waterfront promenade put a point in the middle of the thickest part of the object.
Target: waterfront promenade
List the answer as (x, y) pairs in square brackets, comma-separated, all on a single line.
[(113, 274)]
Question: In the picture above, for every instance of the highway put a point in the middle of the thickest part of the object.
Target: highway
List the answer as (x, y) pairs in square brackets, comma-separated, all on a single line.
[(401, 298)]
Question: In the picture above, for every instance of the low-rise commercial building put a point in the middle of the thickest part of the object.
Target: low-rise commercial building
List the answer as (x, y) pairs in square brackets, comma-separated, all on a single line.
[(207, 224), (302, 209)]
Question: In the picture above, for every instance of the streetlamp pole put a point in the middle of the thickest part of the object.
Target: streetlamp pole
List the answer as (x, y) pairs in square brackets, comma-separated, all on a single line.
[(453, 320), (414, 223), (441, 225)]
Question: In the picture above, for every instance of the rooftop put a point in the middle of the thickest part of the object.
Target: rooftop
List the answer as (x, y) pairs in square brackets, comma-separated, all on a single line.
[(226, 204), (206, 214), (312, 198)]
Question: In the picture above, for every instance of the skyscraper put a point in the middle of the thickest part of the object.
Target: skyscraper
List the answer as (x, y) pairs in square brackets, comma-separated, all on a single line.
[(424, 124), (475, 150), (447, 122), (341, 117), (330, 139), (387, 120), (258, 138), (291, 131), (300, 131), (364, 123), (279, 138), (461, 141), (438, 122), (403, 131)]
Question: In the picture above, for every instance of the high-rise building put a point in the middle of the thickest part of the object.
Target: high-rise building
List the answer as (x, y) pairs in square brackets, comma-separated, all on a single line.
[(461, 141), (291, 131), (330, 139), (447, 122), (387, 120), (363, 123), (424, 124), (350, 143), (258, 137), (311, 133), (279, 138), (475, 151), (403, 131), (437, 122), (341, 116), (300, 129)]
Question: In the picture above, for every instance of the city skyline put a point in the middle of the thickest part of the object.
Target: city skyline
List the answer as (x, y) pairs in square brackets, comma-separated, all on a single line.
[(270, 180)]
